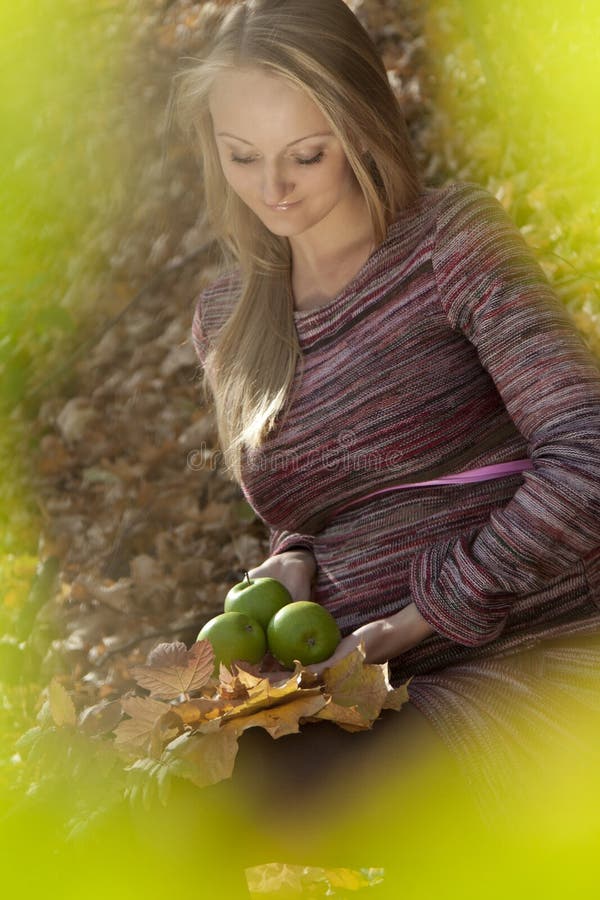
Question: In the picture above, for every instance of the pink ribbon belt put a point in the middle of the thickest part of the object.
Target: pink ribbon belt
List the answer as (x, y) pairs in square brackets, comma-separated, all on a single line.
[(483, 473)]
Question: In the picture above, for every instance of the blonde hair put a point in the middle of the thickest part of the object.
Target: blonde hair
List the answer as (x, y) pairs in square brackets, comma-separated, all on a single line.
[(321, 47)]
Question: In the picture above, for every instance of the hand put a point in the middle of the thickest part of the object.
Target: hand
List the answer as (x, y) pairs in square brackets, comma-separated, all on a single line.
[(382, 639), (293, 568)]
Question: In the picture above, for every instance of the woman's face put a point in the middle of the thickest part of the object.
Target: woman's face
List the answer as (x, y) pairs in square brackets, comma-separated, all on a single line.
[(276, 147)]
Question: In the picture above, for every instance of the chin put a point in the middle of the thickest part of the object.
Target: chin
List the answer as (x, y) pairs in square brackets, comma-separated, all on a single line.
[(285, 225)]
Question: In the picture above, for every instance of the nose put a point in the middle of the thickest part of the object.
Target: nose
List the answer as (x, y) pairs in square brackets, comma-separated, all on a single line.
[(275, 187)]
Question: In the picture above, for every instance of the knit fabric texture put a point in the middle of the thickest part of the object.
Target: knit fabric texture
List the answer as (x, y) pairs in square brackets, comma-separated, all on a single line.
[(447, 351)]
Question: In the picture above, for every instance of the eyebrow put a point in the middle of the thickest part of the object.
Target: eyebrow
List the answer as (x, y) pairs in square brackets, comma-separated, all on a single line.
[(291, 143)]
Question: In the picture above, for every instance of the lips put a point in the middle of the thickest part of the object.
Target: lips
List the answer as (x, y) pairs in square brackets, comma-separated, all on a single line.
[(283, 206)]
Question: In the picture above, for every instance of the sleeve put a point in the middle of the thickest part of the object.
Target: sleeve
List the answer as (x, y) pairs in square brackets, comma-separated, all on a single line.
[(496, 294), (280, 541)]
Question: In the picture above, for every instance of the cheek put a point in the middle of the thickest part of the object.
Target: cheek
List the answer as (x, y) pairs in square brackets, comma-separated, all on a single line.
[(240, 183), (335, 169)]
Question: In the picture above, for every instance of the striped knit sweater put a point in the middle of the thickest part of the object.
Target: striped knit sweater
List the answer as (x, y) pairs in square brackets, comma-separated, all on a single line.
[(447, 351)]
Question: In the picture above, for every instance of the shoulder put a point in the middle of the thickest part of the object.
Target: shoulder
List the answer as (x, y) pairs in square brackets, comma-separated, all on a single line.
[(470, 222), (465, 203), (438, 213)]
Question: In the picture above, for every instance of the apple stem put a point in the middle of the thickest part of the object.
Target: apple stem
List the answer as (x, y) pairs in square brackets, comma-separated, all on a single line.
[(246, 576)]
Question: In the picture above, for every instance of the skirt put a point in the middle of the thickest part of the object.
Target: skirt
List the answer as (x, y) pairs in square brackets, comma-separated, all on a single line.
[(505, 718)]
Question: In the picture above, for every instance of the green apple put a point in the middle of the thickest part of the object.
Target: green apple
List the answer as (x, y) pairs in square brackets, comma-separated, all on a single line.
[(233, 636), (303, 630), (259, 598)]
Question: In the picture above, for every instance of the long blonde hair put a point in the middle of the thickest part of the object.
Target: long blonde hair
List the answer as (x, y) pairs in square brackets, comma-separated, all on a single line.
[(321, 47)]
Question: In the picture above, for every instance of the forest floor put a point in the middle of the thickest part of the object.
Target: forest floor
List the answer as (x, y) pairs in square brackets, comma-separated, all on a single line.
[(148, 533), (142, 534)]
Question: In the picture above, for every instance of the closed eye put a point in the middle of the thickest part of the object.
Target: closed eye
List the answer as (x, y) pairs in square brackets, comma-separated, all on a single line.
[(302, 162)]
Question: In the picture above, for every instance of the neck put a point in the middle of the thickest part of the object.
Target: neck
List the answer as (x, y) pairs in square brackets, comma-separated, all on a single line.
[(339, 237)]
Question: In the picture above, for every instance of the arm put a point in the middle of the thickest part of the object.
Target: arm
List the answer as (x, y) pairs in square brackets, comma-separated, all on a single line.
[(294, 568), (382, 639), (292, 560), (492, 289)]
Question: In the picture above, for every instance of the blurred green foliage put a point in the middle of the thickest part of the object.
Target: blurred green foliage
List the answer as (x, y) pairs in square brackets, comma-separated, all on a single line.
[(59, 173), (61, 185), (60, 177), (516, 94)]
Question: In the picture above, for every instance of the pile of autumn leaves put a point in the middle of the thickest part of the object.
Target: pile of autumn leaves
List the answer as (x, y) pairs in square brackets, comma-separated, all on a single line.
[(189, 723)]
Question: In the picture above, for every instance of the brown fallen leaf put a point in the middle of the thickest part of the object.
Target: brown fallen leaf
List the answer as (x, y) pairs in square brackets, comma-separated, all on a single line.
[(203, 758), (190, 672), (172, 653), (167, 727), (136, 732), (100, 718), (230, 685)]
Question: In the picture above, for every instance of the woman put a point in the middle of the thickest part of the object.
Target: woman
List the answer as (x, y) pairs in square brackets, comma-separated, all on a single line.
[(398, 392)]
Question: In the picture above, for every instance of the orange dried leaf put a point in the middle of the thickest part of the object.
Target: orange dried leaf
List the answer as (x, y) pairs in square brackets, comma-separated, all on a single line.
[(192, 712), (280, 720), (265, 695)]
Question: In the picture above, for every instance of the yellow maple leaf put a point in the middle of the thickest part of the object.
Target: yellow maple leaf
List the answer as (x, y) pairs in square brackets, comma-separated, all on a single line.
[(282, 719), (397, 697), (258, 693), (352, 682), (191, 712), (347, 717)]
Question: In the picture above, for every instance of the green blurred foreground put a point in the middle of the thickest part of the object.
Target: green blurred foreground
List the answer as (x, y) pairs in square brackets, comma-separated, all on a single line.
[(423, 833)]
